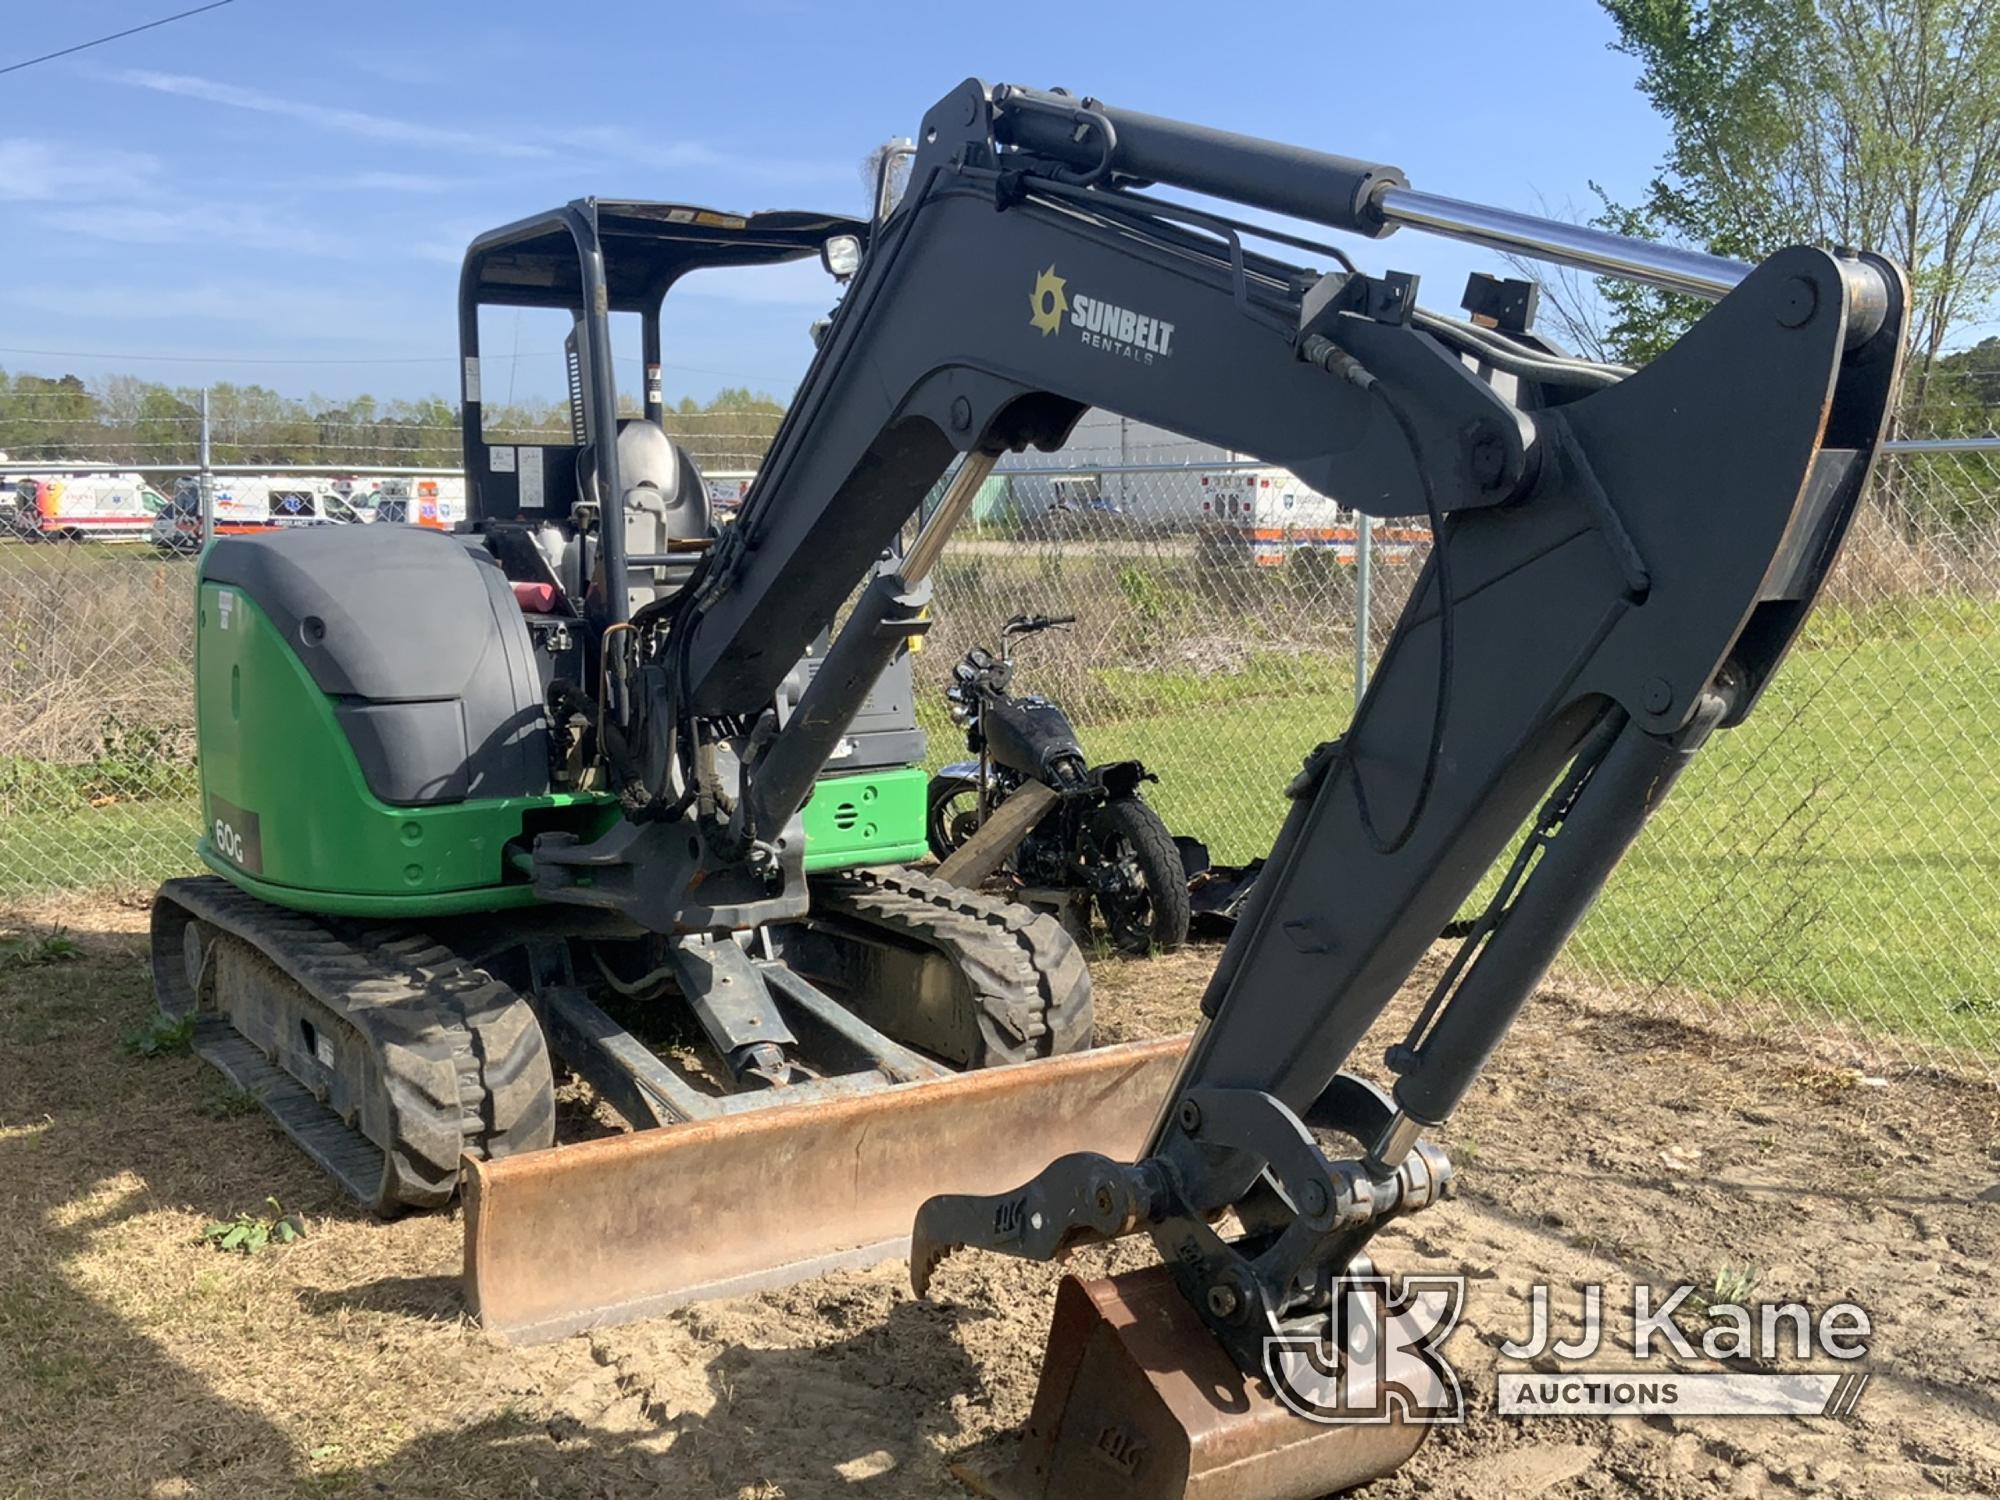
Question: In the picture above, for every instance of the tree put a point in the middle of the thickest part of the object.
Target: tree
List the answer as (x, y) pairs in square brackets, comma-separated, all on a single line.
[(1873, 123)]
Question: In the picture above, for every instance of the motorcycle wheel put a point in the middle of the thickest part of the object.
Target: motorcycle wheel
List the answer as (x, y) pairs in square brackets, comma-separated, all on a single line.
[(951, 813), (1146, 910)]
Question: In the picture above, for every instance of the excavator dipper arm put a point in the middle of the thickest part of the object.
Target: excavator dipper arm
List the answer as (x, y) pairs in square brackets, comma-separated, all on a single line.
[(1621, 561)]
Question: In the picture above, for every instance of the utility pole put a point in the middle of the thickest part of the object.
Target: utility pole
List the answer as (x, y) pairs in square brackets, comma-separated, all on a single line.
[(206, 481)]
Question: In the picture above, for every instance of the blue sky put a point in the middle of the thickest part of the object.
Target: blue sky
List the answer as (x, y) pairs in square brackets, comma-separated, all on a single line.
[(281, 192)]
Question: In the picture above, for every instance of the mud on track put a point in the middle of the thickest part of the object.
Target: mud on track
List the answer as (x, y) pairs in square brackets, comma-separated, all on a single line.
[(135, 1360)]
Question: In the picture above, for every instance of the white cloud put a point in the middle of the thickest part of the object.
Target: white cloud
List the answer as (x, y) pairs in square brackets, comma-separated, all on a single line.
[(343, 121), (288, 311), (613, 142), (224, 227), (388, 182), (40, 171)]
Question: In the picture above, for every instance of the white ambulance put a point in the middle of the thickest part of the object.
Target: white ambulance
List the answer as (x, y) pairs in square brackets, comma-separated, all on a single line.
[(423, 501), (76, 507), (1260, 517)]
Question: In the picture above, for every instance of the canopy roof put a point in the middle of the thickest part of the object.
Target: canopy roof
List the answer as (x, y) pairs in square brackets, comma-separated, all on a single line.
[(534, 262)]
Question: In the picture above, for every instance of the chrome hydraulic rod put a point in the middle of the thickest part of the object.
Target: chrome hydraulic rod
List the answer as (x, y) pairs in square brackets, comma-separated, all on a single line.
[(1603, 254), (973, 471), (1098, 142)]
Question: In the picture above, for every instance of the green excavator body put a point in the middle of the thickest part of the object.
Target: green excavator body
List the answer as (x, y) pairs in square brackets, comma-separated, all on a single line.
[(288, 814)]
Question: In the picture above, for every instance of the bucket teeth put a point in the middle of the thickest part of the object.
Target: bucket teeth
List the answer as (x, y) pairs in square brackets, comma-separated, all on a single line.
[(1076, 1200), (925, 1257)]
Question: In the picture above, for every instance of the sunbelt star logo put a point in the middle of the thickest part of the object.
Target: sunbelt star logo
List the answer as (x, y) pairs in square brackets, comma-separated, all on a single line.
[(1097, 322), (1048, 302)]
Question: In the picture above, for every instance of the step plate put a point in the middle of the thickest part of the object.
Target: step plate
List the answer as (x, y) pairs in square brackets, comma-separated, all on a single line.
[(611, 1230)]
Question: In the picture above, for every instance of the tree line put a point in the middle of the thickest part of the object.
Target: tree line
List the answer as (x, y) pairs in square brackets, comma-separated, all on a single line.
[(156, 428)]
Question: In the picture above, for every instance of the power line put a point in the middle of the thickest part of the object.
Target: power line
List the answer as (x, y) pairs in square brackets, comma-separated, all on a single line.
[(210, 359), (397, 359), (128, 31)]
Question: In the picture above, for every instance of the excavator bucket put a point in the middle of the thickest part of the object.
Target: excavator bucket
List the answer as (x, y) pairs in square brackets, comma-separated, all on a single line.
[(1139, 1402), (610, 1230)]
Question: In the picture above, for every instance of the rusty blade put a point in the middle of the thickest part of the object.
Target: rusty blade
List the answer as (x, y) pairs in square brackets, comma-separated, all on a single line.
[(611, 1230)]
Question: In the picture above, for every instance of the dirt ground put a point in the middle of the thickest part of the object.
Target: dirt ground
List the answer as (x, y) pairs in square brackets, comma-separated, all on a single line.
[(135, 1359)]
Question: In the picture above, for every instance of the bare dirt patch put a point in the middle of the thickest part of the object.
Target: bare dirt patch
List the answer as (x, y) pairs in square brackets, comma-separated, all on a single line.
[(137, 1360)]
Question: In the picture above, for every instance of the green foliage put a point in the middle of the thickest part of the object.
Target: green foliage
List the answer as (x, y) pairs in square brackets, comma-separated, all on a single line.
[(1730, 1286), (33, 952), (229, 1104), (1143, 593), (162, 1036), (246, 1234), (1838, 122), (30, 787)]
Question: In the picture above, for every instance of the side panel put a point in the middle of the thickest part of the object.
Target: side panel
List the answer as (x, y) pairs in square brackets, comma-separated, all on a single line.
[(874, 818), (285, 802)]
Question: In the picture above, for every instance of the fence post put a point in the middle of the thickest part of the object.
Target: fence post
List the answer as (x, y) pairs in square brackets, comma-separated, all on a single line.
[(1364, 577), (206, 481)]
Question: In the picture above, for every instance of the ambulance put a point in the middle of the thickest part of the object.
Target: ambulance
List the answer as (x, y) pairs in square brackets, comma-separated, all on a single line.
[(436, 503), (1262, 517), (245, 505), (76, 507)]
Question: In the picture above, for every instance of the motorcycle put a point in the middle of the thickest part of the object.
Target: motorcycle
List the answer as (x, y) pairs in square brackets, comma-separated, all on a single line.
[(1099, 845)]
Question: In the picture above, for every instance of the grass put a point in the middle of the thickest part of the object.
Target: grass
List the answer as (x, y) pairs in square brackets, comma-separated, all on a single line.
[(121, 844), (1836, 853)]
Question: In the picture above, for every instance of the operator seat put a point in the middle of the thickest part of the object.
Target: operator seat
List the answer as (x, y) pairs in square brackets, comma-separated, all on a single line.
[(666, 500)]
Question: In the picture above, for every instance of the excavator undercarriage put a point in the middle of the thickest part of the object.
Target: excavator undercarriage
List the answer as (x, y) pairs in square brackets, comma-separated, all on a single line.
[(392, 1053), (595, 770)]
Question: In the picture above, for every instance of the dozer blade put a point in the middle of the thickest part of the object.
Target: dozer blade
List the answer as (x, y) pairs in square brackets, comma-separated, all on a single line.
[(611, 1230), (1138, 1401)]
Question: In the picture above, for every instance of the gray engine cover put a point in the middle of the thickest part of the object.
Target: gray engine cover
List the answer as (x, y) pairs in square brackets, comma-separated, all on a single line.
[(417, 638)]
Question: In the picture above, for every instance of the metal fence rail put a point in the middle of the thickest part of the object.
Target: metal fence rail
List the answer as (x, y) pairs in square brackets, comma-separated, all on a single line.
[(1827, 872)]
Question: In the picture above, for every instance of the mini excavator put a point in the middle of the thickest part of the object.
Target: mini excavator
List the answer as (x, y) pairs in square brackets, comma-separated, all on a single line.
[(474, 799)]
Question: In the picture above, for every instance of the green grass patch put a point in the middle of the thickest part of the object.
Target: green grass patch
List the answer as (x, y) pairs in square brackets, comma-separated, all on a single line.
[(30, 786), (121, 843), (161, 1036), (1836, 852)]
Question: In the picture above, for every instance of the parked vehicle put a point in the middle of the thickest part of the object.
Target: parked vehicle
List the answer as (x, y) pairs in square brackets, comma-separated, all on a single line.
[(74, 507), (1264, 517), (247, 505), (436, 503), (1100, 845)]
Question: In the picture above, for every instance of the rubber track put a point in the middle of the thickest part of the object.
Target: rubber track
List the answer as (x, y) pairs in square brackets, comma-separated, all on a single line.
[(1030, 986), (458, 1061)]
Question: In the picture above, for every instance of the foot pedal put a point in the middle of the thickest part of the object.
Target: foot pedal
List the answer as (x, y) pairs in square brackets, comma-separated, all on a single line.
[(1139, 1402)]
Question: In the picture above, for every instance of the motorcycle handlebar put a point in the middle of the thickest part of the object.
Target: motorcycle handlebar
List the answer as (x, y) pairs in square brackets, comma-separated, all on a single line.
[(1027, 624)]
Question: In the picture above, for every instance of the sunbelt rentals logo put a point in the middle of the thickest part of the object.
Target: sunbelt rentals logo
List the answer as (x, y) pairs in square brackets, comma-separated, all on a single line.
[(1098, 322)]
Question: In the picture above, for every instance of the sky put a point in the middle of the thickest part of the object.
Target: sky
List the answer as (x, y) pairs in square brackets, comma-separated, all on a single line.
[(281, 193)]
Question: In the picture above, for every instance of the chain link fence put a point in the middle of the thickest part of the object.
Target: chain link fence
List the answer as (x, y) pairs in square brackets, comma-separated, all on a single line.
[(1827, 871)]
